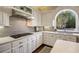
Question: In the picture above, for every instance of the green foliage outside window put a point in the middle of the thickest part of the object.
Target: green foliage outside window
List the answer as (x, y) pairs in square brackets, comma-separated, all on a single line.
[(66, 20)]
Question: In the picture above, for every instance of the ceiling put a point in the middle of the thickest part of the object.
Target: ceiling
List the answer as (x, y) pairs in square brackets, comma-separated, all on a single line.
[(44, 8)]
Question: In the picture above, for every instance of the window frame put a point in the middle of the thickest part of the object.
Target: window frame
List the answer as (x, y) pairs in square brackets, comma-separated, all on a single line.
[(76, 16)]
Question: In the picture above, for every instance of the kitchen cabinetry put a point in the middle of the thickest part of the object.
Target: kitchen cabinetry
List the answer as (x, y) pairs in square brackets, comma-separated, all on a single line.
[(47, 18), (4, 16), (5, 48), (69, 38), (50, 38), (19, 49), (39, 39), (25, 44), (34, 41), (20, 46), (1, 21), (6, 51), (37, 18), (23, 9), (31, 43)]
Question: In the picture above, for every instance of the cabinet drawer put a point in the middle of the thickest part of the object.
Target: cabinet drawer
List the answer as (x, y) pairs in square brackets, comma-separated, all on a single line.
[(5, 47), (18, 42), (70, 38), (6, 51)]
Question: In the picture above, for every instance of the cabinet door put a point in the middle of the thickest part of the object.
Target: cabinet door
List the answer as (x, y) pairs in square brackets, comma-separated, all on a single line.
[(6, 51), (5, 12), (21, 44), (5, 47), (15, 50), (31, 44), (49, 39), (34, 22), (1, 21), (37, 18), (25, 48), (37, 43), (5, 19), (19, 49), (69, 38), (47, 19), (39, 40)]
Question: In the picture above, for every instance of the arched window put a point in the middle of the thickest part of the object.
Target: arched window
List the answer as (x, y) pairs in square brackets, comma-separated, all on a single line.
[(66, 19)]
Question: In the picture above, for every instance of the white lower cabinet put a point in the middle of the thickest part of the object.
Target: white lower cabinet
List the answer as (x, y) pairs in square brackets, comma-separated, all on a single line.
[(6, 51), (39, 39), (32, 43), (5, 48), (15, 50), (19, 49), (20, 46), (25, 44), (69, 38), (50, 38)]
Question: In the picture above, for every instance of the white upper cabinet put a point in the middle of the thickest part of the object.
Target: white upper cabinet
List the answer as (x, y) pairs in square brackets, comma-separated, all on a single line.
[(5, 19), (1, 18), (37, 18), (47, 18), (4, 16)]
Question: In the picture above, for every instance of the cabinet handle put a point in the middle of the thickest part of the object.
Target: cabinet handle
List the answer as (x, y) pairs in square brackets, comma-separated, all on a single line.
[(20, 46), (20, 42)]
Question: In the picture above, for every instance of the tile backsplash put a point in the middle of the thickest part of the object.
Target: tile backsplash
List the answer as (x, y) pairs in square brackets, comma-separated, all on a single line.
[(17, 26)]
